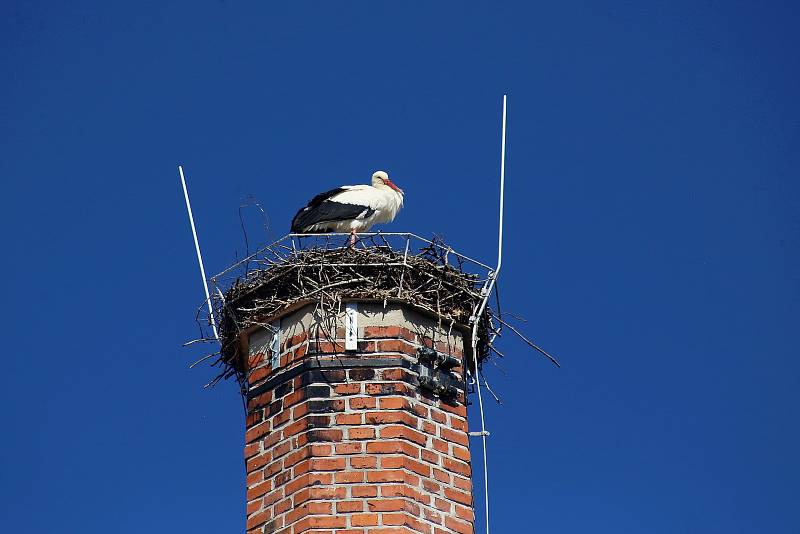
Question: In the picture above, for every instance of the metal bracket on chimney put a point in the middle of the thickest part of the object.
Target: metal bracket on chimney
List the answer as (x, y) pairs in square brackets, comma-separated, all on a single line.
[(435, 372), (341, 363)]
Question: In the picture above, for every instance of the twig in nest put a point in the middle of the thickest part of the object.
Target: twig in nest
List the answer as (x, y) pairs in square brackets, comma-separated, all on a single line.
[(499, 367), (529, 342), (496, 398), (204, 358)]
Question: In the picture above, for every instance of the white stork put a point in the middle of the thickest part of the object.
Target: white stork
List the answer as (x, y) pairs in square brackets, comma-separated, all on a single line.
[(350, 208)]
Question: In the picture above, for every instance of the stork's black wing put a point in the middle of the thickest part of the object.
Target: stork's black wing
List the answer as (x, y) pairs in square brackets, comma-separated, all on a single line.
[(320, 210)]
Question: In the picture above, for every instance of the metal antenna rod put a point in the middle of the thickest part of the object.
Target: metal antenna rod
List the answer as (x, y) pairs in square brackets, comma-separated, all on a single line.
[(487, 293), (199, 256), (502, 192)]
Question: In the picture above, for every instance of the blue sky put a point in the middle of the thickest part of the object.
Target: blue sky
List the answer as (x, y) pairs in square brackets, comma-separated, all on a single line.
[(652, 241)]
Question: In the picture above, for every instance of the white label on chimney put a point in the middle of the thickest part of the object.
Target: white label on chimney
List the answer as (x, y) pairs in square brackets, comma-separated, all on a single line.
[(351, 326), (275, 345)]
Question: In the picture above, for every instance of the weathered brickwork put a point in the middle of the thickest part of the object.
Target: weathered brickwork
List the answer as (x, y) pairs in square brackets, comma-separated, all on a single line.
[(355, 449)]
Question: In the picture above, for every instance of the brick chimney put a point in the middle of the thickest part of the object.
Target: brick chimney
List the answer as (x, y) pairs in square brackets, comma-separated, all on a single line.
[(360, 430)]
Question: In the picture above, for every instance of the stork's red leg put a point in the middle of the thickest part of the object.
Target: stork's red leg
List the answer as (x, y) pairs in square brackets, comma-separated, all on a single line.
[(352, 238)]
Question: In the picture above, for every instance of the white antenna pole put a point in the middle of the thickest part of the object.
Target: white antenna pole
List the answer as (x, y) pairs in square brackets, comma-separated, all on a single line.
[(483, 433), (199, 256), (502, 192)]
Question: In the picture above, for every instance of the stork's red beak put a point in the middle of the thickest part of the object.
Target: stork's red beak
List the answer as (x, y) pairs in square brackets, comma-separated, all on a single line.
[(391, 184)]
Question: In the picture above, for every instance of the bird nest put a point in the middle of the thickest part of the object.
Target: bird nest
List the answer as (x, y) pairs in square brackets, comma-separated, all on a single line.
[(323, 271)]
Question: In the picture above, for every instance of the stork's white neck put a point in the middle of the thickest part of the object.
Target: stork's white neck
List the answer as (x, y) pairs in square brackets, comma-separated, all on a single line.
[(397, 196)]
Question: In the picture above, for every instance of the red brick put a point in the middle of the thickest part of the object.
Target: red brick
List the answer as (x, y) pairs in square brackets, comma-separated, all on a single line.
[(280, 449), (430, 456), (384, 417), (381, 331), (396, 431), (347, 389), (464, 512), (363, 462), (459, 409), (394, 475), (421, 410), (258, 490), (462, 483), (298, 395), (461, 453), (324, 435), (301, 467), (364, 491), (297, 484), (393, 447), (253, 506), (257, 462), (282, 506), (441, 475), (254, 418), (348, 419), (327, 493), (443, 505), (458, 496), (254, 359), (455, 437), (360, 433), (322, 478), (251, 450), (320, 508), (392, 462), (389, 388), (328, 464), (344, 507), (349, 477), (455, 466), (418, 467), (258, 519), (458, 424), (295, 340), (429, 428), (362, 403), (320, 450), (299, 411), (254, 478), (364, 520), (281, 418), (257, 432), (396, 345), (391, 505), (462, 527), (296, 456), (433, 517), (440, 445), (349, 448), (431, 487), (257, 375), (395, 403), (438, 416), (397, 374)]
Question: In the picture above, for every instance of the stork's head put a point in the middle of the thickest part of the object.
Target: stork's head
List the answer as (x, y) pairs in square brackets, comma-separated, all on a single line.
[(380, 178)]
